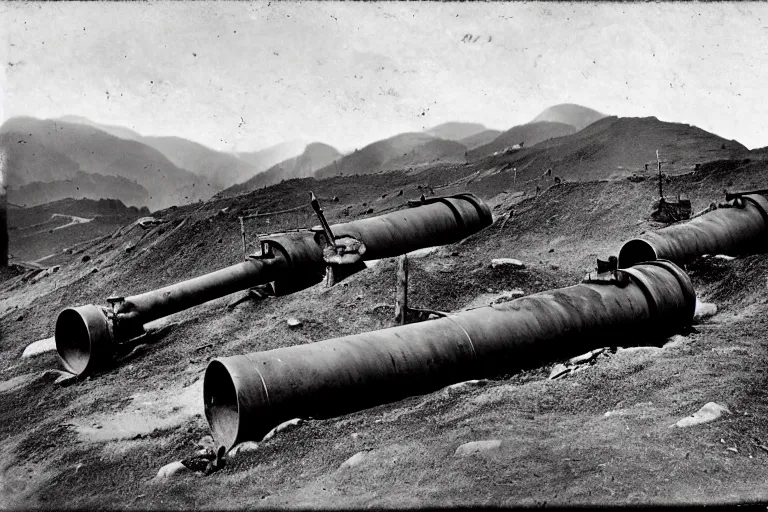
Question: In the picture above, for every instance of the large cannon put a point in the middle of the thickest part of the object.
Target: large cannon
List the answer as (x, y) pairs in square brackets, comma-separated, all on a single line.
[(247, 395), (740, 227), (88, 337)]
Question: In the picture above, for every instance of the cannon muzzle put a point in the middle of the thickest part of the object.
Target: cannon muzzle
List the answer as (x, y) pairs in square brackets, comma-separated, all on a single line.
[(84, 339)]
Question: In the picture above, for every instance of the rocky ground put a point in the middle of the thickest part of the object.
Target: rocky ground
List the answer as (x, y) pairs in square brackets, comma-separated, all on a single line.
[(603, 432)]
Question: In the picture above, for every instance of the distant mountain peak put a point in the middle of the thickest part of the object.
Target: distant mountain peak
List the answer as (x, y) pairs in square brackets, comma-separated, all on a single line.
[(455, 130), (569, 113)]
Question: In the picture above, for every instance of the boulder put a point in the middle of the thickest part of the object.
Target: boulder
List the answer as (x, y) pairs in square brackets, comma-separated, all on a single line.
[(354, 460), (704, 310), (507, 262), (476, 447), (710, 412), (246, 447), (172, 469), (39, 347), (559, 370)]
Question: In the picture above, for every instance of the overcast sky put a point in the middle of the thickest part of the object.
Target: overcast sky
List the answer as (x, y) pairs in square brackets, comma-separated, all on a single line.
[(248, 75)]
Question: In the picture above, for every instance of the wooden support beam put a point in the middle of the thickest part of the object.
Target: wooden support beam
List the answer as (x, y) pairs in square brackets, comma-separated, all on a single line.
[(330, 276), (401, 298), (242, 234)]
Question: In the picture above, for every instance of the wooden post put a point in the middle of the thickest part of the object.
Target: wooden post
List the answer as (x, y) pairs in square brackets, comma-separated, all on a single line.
[(401, 299), (242, 234), (661, 188), (330, 276)]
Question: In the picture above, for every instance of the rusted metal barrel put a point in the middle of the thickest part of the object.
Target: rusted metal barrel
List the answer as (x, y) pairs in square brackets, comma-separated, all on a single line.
[(87, 336), (247, 395), (740, 228), (436, 221)]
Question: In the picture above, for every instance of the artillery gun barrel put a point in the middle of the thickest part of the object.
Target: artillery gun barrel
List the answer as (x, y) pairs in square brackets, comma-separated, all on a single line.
[(739, 228), (247, 395), (87, 337)]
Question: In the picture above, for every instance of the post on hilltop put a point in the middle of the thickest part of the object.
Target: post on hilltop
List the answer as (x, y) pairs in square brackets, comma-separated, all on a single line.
[(661, 187), (3, 213)]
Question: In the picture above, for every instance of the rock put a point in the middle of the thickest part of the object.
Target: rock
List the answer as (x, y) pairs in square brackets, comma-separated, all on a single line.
[(66, 380), (468, 383), (354, 460), (85, 259), (59, 377), (676, 341), (20, 318), (206, 442), (637, 350), (294, 322), (508, 295), (558, 371), (246, 447), (507, 262), (39, 347), (172, 469), (206, 463), (585, 358), (709, 412), (704, 310), (94, 270), (475, 447), (284, 426), (289, 425)]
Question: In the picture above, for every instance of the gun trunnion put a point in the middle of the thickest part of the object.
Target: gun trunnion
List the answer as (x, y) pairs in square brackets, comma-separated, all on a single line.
[(88, 337)]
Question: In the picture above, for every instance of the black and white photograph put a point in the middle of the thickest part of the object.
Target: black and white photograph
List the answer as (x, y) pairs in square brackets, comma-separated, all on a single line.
[(388, 254)]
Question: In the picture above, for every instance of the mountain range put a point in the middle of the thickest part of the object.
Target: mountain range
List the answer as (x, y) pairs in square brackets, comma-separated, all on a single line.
[(314, 157), (611, 148), (76, 157)]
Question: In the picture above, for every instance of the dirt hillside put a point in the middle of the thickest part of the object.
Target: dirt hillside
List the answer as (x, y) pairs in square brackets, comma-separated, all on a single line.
[(600, 436)]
